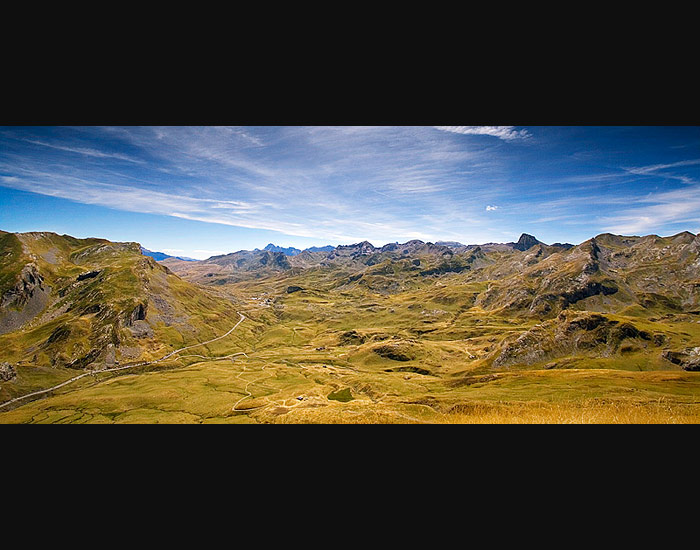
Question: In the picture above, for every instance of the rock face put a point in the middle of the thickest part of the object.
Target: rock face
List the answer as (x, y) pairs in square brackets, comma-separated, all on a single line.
[(525, 242), (688, 359), (75, 303), (138, 314), (261, 260), (352, 338), (24, 301), (393, 351), (572, 332), (88, 275), (7, 372), (289, 251), (29, 280)]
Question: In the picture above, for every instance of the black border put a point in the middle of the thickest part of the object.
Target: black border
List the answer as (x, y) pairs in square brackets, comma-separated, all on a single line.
[(517, 92)]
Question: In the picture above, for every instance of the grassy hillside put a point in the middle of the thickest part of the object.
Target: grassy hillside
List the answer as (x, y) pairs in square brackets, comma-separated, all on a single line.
[(607, 331), (104, 304)]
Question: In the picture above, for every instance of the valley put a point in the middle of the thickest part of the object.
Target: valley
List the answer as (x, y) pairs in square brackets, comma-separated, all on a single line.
[(607, 331)]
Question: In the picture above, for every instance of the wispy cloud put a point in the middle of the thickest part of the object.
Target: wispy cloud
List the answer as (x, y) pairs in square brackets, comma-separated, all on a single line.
[(346, 184), (657, 167), (86, 151), (507, 133), (662, 169), (124, 197), (659, 210)]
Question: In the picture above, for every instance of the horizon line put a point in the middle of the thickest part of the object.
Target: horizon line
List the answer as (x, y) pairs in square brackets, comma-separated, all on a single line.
[(352, 244)]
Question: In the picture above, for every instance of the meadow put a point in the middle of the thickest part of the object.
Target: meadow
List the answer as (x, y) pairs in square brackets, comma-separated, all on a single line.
[(321, 356)]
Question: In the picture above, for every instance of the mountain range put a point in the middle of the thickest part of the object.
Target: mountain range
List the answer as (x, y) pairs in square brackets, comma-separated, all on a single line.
[(389, 326), (291, 251), (159, 256)]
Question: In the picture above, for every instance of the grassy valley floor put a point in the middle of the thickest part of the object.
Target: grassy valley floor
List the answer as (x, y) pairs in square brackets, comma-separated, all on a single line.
[(305, 364), (282, 391), (389, 344)]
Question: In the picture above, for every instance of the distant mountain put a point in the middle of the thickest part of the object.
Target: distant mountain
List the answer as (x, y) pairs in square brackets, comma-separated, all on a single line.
[(291, 251), (314, 254), (526, 242), (160, 256), (449, 244), (607, 273)]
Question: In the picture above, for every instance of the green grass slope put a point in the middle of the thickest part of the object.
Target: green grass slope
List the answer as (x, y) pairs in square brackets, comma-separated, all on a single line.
[(104, 305), (607, 331)]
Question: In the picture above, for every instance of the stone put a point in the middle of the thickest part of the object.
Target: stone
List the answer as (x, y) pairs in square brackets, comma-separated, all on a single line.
[(7, 372)]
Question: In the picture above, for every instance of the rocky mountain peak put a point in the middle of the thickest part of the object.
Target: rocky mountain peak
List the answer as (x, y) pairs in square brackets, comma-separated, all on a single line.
[(525, 242), (363, 248), (287, 251)]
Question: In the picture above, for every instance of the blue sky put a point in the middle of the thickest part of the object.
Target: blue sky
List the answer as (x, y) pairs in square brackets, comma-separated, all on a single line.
[(200, 191)]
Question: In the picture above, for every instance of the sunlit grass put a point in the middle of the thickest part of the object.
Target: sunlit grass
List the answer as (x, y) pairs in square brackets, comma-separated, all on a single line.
[(584, 412)]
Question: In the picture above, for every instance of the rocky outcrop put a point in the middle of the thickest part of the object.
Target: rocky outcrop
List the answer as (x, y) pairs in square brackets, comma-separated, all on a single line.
[(24, 301), (352, 338), (455, 263), (59, 334), (88, 275), (289, 251), (688, 359), (590, 288), (85, 360), (396, 352), (572, 332), (29, 280), (525, 242), (259, 260), (274, 260), (7, 372), (137, 314), (365, 248)]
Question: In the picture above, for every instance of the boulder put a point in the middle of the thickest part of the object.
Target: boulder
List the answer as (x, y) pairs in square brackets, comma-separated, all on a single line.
[(688, 359), (7, 372)]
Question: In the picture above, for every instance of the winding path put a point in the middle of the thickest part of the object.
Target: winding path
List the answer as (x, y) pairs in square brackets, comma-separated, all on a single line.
[(142, 364)]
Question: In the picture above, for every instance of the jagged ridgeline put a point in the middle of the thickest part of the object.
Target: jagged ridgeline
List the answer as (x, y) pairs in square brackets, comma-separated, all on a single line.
[(610, 297), (68, 303), (404, 331), (526, 278)]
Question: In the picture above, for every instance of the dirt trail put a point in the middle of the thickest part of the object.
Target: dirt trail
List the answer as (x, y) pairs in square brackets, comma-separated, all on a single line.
[(142, 364)]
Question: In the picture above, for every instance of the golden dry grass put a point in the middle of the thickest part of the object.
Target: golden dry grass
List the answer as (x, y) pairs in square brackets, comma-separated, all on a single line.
[(586, 412)]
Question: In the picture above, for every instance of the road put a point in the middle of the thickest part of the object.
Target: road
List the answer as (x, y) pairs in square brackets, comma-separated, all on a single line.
[(142, 364)]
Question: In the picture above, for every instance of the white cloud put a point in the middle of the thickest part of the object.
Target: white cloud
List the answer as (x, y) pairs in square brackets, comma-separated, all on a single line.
[(85, 151), (491, 208), (335, 182), (507, 133), (133, 199), (653, 170), (656, 167), (661, 210)]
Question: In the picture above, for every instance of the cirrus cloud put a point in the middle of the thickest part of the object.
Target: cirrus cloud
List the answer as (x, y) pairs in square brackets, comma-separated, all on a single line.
[(506, 133)]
